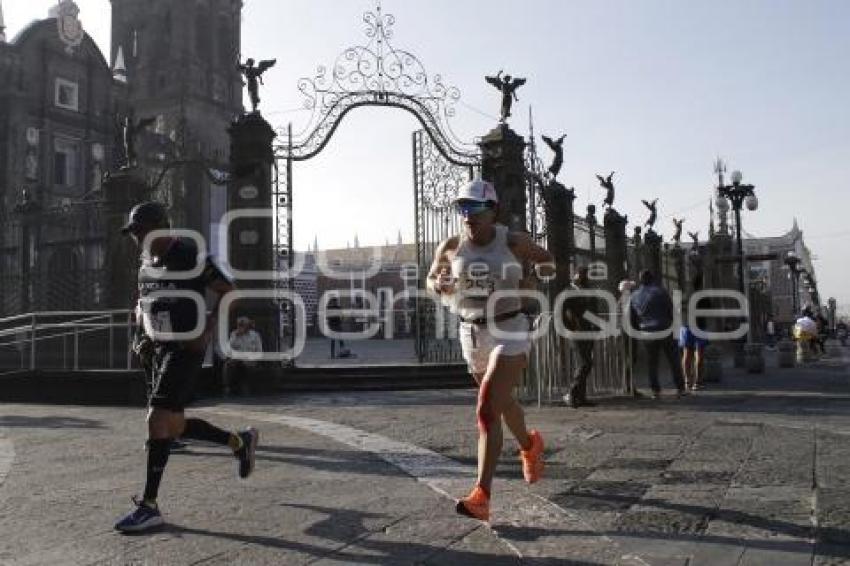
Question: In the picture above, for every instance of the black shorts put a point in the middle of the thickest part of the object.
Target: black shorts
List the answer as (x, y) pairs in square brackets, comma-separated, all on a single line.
[(172, 377)]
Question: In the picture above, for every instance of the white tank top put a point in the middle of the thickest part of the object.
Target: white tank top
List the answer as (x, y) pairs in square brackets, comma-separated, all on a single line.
[(481, 270)]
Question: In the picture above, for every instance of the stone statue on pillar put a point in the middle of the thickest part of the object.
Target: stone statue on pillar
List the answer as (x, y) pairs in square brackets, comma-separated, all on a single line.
[(507, 86), (254, 76), (695, 238), (608, 185), (558, 204), (677, 235), (653, 213), (503, 164), (557, 147)]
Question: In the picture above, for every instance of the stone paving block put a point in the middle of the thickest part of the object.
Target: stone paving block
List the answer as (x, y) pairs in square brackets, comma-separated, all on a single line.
[(714, 552), (699, 498), (833, 515), (796, 555), (833, 474), (643, 476), (645, 463), (777, 469), (419, 538), (601, 495), (831, 554), (664, 521), (693, 464), (695, 477), (475, 548)]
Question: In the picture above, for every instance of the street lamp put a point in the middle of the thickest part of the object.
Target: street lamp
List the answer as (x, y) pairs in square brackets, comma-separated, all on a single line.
[(793, 263), (738, 194)]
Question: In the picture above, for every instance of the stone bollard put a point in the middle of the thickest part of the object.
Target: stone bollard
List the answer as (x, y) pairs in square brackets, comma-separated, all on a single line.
[(805, 353), (713, 364), (755, 358), (740, 356), (786, 354)]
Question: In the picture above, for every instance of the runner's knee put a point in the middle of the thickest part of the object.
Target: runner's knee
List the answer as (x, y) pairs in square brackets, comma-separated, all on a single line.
[(485, 411)]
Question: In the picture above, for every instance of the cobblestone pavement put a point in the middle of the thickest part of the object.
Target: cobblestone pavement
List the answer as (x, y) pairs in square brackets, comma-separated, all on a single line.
[(755, 470)]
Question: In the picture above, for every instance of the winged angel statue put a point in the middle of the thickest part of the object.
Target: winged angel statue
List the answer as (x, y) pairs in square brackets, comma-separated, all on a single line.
[(254, 76), (507, 86)]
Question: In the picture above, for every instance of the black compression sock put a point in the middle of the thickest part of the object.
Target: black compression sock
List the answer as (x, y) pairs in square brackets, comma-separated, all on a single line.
[(200, 429), (158, 451)]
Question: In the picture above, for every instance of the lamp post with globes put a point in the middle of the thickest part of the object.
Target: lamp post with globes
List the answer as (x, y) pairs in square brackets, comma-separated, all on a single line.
[(738, 194), (793, 263)]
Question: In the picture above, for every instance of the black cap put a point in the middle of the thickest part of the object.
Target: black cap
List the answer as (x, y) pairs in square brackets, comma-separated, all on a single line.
[(146, 215)]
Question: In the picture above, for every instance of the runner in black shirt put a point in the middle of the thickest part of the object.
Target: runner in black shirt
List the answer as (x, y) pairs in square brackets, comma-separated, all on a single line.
[(172, 364)]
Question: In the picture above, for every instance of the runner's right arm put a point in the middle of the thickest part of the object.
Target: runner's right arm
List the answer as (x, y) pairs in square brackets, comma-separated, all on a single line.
[(439, 278)]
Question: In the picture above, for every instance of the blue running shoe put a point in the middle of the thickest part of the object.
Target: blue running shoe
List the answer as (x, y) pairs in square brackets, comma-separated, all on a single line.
[(246, 454), (142, 518)]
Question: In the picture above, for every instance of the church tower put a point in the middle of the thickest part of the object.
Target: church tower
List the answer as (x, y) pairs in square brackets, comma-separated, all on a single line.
[(179, 61)]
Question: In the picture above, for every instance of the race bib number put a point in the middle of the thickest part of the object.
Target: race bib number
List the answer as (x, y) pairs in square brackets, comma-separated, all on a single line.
[(155, 322), (478, 281)]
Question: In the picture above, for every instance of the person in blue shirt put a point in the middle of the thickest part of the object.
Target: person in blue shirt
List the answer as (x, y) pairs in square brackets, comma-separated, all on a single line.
[(651, 311), (693, 346)]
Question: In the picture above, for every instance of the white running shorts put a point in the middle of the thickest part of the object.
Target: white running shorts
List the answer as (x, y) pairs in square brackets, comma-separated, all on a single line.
[(478, 341)]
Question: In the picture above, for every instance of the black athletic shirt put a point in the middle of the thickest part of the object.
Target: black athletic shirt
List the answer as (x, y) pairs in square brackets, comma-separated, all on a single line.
[(175, 314)]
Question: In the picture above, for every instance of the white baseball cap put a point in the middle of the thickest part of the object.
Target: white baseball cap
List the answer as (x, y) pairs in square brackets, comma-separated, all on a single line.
[(478, 190)]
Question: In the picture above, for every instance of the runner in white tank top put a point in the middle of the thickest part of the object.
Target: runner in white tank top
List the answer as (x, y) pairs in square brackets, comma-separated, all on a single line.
[(476, 272)]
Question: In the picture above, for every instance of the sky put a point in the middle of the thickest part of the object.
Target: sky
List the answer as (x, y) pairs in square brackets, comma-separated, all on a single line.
[(652, 89)]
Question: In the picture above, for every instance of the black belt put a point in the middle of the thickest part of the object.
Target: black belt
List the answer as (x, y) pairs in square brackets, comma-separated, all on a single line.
[(498, 318)]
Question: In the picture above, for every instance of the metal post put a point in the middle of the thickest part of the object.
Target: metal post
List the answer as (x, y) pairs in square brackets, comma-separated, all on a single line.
[(737, 206), (111, 344), (130, 339), (32, 341), (76, 348)]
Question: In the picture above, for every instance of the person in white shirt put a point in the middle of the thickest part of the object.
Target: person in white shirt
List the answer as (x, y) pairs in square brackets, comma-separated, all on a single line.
[(243, 339)]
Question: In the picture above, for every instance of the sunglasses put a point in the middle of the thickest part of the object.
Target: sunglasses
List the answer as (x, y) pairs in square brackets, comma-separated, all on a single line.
[(468, 208)]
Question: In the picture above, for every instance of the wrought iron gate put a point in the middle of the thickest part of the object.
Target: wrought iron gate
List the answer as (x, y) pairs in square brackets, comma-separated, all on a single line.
[(377, 74), (436, 181)]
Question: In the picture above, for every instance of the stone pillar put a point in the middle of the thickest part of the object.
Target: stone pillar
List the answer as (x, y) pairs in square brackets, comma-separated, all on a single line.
[(637, 255), (678, 255), (503, 165), (652, 253), (787, 353), (558, 202), (122, 190), (754, 355), (723, 277), (251, 239), (591, 230), (615, 247)]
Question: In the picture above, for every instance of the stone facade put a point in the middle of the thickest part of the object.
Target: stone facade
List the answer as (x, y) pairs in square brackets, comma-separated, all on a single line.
[(60, 104)]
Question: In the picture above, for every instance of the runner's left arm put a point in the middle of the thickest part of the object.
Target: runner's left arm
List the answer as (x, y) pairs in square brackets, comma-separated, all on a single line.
[(527, 250), (214, 279)]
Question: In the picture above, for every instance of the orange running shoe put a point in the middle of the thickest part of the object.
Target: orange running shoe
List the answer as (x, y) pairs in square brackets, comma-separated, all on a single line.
[(532, 459), (475, 505)]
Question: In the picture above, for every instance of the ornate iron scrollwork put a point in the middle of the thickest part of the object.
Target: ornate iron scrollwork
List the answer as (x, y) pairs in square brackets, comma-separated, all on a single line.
[(378, 74)]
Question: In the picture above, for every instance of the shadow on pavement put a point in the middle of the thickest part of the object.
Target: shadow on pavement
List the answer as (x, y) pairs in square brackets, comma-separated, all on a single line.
[(337, 461), (366, 398), (356, 538), (48, 422), (831, 541)]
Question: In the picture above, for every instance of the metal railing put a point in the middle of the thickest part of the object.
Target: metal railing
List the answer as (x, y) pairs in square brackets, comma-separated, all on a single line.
[(66, 340), (551, 365)]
